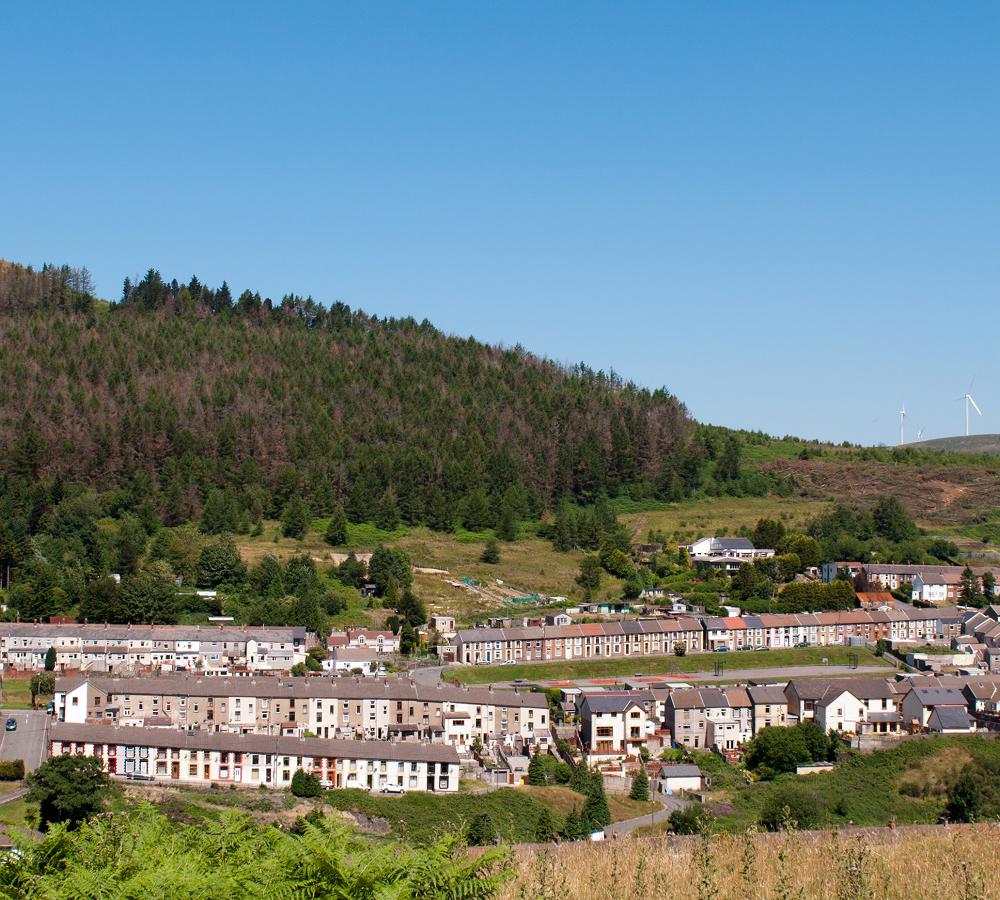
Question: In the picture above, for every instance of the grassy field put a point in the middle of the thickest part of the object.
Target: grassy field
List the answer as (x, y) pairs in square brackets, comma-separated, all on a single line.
[(897, 865), (836, 657), (687, 521)]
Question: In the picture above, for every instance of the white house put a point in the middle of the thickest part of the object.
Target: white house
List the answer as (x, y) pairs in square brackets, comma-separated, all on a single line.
[(679, 778)]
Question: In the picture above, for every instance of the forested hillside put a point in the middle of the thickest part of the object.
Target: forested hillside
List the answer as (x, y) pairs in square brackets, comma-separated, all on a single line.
[(177, 390)]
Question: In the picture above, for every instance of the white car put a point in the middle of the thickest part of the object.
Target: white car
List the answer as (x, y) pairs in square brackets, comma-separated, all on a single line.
[(392, 789)]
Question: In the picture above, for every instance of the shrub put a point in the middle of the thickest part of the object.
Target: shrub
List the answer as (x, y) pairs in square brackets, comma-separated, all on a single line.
[(692, 820), (789, 807), (305, 784), (11, 770)]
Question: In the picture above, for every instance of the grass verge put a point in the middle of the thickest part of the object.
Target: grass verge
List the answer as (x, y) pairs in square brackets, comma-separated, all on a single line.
[(837, 658)]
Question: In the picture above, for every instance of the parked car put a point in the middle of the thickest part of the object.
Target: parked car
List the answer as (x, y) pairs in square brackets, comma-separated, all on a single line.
[(11, 725), (722, 649), (392, 789)]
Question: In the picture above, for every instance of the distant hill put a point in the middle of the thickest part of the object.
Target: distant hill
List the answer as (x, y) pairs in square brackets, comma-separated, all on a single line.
[(177, 390), (973, 443)]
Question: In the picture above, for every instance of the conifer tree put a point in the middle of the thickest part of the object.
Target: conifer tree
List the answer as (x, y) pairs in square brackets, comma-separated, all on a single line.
[(536, 770), (336, 530)]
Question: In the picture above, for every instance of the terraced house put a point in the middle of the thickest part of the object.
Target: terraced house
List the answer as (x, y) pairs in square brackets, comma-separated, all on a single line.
[(343, 708), (164, 648), (625, 637), (199, 757)]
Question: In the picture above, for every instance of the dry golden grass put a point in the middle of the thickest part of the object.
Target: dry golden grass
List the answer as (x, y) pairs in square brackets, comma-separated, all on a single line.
[(908, 864), (723, 515)]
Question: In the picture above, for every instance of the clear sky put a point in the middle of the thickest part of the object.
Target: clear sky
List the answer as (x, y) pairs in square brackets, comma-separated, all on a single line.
[(786, 213)]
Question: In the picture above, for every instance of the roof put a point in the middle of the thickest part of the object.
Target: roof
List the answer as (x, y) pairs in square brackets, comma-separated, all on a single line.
[(699, 699), (354, 654), (945, 717), (767, 694), (939, 696), (608, 703), (106, 633), (732, 543), (305, 688), (252, 743), (680, 771), (827, 688)]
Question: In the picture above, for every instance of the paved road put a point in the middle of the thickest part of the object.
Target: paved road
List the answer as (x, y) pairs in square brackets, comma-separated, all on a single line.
[(429, 675), (670, 804), (30, 741)]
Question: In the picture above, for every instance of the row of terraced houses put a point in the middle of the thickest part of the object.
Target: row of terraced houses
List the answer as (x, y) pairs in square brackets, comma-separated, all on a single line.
[(636, 637), (171, 648), (391, 734)]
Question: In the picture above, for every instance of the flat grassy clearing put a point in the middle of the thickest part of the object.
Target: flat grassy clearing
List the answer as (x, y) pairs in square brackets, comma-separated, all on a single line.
[(17, 694), (837, 658), (721, 516)]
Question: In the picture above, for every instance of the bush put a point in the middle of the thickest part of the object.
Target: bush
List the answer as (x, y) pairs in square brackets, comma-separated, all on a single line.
[(788, 807), (481, 831), (305, 784), (692, 820), (11, 770)]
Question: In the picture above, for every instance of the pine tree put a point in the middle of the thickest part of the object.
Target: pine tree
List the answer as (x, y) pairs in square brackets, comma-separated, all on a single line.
[(50, 659), (507, 526), (596, 810), (295, 518), (336, 530), (491, 552), (573, 829), (640, 785), (545, 828), (407, 639), (536, 770)]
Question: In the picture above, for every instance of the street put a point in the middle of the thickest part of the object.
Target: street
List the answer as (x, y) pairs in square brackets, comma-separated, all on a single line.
[(30, 741)]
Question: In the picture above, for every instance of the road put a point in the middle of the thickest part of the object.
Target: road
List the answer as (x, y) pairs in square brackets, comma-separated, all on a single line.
[(30, 741), (670, 804)]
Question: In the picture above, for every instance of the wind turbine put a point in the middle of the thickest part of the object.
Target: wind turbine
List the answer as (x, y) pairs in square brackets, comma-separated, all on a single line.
[(920, 434), (902, 419), (967, 397)]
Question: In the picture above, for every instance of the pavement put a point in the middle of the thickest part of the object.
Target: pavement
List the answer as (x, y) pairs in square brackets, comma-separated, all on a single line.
[(30, 741)]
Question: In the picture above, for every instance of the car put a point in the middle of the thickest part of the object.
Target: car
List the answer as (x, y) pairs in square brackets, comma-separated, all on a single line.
[(802, 644), (392, 789), (760, 648), (11, 725), (722, 649)]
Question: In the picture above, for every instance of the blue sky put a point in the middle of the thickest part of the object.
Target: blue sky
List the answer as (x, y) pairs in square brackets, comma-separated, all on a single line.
[(785, 213)]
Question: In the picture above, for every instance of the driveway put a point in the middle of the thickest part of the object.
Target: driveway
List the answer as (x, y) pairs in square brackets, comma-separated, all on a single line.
[(30, 741)]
